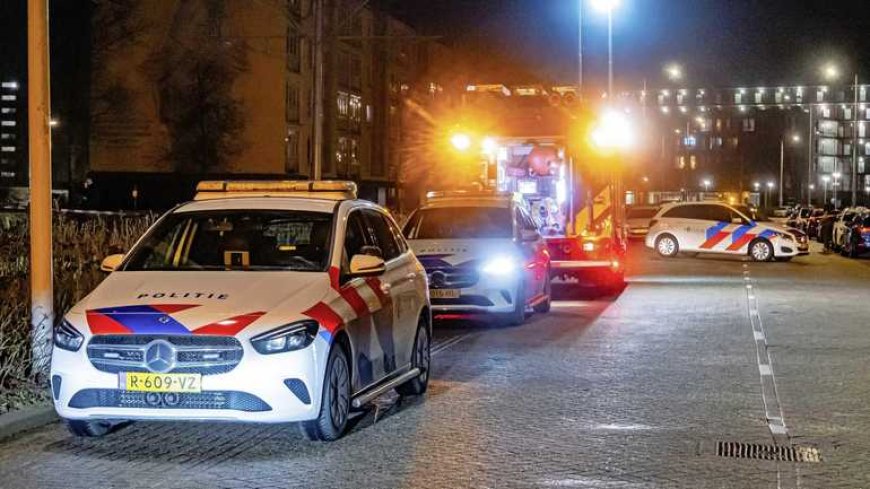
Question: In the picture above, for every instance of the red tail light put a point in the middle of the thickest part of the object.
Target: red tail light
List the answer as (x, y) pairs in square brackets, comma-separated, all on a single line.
[(865, 230)]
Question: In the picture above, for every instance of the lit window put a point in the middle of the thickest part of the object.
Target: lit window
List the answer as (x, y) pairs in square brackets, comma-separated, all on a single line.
[(7, 123), (7, 149), (8, 98), (693, 162), (9, 85)]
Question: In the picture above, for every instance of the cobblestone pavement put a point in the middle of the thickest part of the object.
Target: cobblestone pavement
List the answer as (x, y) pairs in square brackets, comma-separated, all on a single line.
[(628, 391)]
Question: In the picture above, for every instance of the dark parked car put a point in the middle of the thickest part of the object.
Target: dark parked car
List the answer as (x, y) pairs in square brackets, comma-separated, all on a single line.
[(857, 240), (812, 223)]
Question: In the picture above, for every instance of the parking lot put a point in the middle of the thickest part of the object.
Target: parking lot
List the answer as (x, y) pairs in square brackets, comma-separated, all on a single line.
[(631, 390)]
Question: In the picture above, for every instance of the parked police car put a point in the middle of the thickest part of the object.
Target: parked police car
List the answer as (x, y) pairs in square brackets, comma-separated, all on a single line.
[(712, 227), (259, 301), (483, 254)]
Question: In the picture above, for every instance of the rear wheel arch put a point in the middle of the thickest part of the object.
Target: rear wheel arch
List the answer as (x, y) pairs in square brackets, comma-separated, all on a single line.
[(343, 339)]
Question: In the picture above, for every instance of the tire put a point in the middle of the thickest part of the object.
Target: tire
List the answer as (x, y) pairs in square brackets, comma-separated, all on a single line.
[(544, 307), (761, 250), (422, 358), (667, 246), (335, 399), (518, 316), (89, 428)]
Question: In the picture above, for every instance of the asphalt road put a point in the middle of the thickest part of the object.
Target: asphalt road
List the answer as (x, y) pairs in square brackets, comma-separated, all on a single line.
[(632, 390)]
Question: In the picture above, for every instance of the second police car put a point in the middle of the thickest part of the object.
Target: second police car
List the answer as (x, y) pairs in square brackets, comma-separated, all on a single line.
[(712, 227), (483, 254), (258, 302)]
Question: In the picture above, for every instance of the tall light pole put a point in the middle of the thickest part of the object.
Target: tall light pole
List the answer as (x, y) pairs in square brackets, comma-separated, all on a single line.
[(795, 139), (767, 194), (831, 72), (319, 88), (39, 140), (825, 180), (608, 6), (836, 176)]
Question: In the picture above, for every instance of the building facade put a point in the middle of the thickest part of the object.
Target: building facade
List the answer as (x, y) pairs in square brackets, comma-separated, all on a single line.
[(739, 139), (13, 138), (371, 61)]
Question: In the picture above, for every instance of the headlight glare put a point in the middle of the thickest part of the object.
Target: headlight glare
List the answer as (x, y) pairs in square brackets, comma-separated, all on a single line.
[(501, 265), (66, 337), (290, 337)]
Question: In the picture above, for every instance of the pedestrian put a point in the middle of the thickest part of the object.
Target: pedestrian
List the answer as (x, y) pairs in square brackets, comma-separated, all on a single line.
[(826, 230)]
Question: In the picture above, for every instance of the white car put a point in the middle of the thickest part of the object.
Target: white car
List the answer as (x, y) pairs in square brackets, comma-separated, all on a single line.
[(707, 227), (257, 302), (842, 225), (482, 253), (637, 219)]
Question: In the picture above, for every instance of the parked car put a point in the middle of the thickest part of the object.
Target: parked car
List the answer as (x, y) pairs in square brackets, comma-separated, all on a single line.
[(260, 302), (811, 226), (702, 227), (857, 237), (798, 218), (637, 220), (842, 224), (483, 254), (782, 212)]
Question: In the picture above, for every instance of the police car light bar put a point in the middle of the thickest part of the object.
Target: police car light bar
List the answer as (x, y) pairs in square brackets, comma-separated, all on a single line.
[(325, 189)]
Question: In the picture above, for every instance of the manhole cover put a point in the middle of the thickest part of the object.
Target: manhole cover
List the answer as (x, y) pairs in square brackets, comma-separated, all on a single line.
[(794, 453)]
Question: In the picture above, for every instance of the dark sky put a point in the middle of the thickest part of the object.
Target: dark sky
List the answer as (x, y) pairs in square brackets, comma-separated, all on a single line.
[(719, 42)]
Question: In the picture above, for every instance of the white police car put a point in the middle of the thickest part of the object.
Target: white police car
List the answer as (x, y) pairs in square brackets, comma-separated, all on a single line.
[(260, 302), (713, 227), (482, 253)]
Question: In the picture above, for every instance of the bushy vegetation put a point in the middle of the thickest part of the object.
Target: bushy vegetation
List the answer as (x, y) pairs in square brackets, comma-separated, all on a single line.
[(80, 243)]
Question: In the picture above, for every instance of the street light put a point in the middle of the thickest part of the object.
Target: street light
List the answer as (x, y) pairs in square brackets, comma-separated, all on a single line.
[(613, 132), (770, 186), (706, 184), (674, 72), (836, 183), (794, 139), (831, 72), (461, 141), (608, 6), (826, 179)]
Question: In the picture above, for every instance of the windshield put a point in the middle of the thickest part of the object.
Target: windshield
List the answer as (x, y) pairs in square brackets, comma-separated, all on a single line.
[(805, 213), (460, 223), (641, 213), (236, 240)]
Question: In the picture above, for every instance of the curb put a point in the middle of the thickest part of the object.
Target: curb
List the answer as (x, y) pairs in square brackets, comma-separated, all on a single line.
[(26, 419)]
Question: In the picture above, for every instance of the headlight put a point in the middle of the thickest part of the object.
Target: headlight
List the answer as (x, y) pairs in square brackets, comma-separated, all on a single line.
[(589, 246), (290, 337), (67, 337), (501, 265)]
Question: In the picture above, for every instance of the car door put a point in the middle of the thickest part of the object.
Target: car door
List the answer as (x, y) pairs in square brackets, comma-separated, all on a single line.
[(686, 223), (362, 303), (712, 227), (396, 332)]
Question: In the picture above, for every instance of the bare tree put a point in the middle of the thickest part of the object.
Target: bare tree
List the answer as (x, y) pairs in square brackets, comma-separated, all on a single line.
[(194, 76)]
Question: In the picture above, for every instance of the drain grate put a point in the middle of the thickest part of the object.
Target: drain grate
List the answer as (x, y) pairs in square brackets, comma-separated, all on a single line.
[(756, 451)]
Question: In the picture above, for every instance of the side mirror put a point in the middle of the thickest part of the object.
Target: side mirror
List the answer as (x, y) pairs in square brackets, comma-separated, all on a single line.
[(527, 235), (111, 262), (366, 266)]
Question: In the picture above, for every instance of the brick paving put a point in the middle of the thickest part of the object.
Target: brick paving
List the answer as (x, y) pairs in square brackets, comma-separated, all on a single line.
[(631, 391)]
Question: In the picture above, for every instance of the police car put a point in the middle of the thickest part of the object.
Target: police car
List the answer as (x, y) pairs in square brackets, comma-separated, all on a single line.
[(257, 302), (712, 227), (483, 254)]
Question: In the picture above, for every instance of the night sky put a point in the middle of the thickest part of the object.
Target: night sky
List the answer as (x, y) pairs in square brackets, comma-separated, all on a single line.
[(719, 42)]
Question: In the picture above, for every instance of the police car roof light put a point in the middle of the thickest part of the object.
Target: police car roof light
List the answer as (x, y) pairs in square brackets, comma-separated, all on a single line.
[(330, 189)]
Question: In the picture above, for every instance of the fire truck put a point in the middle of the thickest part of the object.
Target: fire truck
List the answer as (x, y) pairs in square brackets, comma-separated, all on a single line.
[(534, 146)]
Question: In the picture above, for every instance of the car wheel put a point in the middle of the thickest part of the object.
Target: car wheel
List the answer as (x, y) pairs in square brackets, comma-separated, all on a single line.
[(544, 307), (421, 359), (89, 428), (667, 246), (335, 404), (518, 316), (761, 250)]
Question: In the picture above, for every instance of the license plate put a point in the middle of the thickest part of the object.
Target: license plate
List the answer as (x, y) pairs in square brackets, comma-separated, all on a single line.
[(444, 293), (148, 382)]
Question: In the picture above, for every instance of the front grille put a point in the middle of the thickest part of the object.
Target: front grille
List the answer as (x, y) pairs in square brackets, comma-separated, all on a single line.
[(238, 401), (465, 300), (452, 277), (206, 355)]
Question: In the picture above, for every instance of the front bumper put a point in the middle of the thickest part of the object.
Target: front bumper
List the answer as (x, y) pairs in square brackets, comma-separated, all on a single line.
[(487, 296), (254, 391)]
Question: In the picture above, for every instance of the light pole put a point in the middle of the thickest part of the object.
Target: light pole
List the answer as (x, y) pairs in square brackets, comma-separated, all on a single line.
[(770, 186), (811, 187), (831, 72), (826, 179), (608, 6), (795, 139), (836, 176)]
